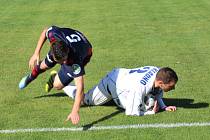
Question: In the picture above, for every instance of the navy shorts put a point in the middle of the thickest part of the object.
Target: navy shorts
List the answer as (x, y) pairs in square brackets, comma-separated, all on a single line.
[(66, 73)]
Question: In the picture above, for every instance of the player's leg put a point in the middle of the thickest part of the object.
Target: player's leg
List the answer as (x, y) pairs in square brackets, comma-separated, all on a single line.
[(70, 90), (49, 84), (59, 80), (98, 95), (92, 97), (47, 63), (54, 82)]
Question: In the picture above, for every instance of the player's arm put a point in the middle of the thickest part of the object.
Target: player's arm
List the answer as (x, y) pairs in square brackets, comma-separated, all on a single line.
[(162, 104), (134, 104), (156, 106), (74, 115), (35, 57)]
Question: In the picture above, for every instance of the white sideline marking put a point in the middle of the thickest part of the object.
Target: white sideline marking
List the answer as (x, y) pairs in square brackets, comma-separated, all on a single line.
[(135, 126)]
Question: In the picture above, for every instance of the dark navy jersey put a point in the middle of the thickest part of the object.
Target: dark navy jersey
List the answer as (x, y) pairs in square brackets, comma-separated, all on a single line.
[(80, 48)]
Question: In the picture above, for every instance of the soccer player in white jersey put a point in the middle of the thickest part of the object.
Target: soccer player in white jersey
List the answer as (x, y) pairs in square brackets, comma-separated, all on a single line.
[(130, 87)]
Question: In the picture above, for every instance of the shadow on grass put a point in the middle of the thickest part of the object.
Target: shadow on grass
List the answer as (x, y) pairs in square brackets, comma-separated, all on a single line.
[(88, 126), (59, 94), (185, 103), (178, 102)]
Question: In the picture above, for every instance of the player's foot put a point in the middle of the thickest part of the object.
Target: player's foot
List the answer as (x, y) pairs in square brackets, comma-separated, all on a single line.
[(49, 84), (24, 82)]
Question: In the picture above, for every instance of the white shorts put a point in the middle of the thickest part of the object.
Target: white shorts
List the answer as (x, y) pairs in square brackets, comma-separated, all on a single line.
[(103, 92)]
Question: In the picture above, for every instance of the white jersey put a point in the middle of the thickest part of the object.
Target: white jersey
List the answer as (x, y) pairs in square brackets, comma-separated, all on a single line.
[(127, 87), (130, 86)]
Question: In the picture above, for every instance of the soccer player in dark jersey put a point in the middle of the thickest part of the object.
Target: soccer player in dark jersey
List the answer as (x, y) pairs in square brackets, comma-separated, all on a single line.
[(69, 48)]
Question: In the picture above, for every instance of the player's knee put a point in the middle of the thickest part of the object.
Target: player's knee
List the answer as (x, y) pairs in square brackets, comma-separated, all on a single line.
[(57, 86), (57, 83)]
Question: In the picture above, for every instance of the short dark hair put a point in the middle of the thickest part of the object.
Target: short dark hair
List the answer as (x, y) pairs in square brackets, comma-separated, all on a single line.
[(59, 44), (167, 75), (59, 50)]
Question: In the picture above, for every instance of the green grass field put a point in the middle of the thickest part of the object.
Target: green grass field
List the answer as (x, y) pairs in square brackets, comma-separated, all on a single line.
[(124, 33)]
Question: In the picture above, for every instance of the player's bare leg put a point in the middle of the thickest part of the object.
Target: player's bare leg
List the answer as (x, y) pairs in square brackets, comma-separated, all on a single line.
[(53, 82)]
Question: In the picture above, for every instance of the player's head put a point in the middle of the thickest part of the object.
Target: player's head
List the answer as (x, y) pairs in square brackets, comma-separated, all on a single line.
[(166, 78), (60, 52), (59, 47)]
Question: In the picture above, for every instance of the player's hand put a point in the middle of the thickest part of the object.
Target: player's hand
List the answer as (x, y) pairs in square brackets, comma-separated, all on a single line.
[(74, 117), (34, 60), (170, 108)]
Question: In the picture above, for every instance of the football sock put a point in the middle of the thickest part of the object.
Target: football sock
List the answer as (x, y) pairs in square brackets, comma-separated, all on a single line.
[(35, 72)]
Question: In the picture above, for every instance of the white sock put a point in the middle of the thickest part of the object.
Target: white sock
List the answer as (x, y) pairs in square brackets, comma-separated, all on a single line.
[(70, 90)]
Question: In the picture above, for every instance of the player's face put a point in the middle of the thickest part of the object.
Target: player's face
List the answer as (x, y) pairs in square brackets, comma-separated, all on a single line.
[(168, 87)]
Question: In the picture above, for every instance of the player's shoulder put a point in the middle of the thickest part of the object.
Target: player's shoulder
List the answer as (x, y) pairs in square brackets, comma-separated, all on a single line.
[(57, 28), (142, 69), (149, 67), (53, 28)]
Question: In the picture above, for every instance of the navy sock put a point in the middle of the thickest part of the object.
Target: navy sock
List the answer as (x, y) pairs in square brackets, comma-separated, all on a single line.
[(35, 72)]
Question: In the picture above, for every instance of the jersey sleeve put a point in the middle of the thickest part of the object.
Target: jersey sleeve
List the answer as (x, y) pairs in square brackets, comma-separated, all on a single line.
[(77, 70), (54, 31), (159, 97), (49, 30), (135, 105), (47, 33)]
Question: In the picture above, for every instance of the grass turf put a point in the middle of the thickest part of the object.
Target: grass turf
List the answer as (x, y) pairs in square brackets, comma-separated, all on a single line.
[(128, 33)]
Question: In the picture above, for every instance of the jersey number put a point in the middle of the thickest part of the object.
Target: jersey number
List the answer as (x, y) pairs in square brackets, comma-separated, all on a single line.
[(73, 38), (141, 70)]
